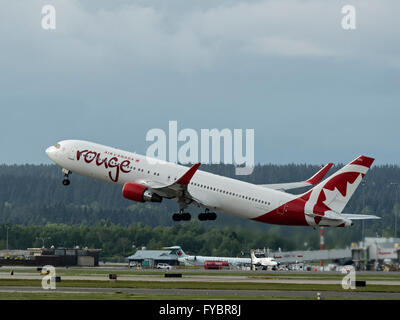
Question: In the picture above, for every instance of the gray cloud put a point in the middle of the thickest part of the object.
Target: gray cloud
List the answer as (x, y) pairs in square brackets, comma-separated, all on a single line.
[(145, 34), (113, 70)]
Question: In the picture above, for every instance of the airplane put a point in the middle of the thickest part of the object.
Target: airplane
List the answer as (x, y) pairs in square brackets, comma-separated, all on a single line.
[(260, 260), (264, 262), (199, 260), (147, 179)]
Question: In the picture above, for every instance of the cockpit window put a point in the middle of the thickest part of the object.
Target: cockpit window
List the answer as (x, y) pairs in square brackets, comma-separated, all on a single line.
[(58, 146)]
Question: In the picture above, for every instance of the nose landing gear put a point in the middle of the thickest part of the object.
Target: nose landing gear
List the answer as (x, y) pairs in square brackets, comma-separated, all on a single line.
[(66, 181)]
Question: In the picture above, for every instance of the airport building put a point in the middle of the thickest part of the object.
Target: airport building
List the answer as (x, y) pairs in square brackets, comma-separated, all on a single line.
[(50, 256), (290, 257), (150, 258), (376, 253), (369, 254)]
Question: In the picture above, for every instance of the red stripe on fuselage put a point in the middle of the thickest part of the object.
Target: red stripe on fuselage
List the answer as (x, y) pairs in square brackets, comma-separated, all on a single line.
[(290, 213)]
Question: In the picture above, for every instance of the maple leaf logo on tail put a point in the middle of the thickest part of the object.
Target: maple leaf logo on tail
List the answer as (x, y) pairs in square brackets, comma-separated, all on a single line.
[(334, 193)]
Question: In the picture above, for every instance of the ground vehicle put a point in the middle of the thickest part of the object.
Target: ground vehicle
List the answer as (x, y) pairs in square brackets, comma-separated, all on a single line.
[(216, 265), (163, 266)]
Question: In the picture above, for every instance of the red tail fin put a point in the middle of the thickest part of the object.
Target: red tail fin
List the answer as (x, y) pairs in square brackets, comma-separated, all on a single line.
[(334, 192)]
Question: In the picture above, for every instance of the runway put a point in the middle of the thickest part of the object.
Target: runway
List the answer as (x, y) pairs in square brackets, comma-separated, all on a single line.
[(194, 278), (204, 292), (95, 281)]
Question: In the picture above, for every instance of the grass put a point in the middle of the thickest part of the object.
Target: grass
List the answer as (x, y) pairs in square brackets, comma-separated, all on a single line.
[(273, 275), (127, 296)]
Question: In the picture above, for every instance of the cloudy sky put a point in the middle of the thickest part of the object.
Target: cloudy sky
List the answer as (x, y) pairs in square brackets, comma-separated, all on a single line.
[(112, 70)]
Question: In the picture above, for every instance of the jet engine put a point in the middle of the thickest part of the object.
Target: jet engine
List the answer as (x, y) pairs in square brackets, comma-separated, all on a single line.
[(137, 192)]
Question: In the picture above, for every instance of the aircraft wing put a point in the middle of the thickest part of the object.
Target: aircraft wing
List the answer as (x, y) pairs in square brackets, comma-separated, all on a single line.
[(315, 179), (177, 189)]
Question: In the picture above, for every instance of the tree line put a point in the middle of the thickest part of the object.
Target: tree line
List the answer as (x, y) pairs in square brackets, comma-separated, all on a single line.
[(118, 241)]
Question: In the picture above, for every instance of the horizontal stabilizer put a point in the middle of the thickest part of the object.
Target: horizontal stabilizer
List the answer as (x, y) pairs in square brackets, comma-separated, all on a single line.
[(359, 216), (328, 215)]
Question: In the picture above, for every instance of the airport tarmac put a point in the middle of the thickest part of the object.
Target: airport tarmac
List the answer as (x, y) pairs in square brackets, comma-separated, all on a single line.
[(200, 276), (200, 270), (204, 292), (192, 278)]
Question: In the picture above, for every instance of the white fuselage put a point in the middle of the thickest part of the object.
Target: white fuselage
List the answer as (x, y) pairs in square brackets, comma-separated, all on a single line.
[(199, 260), (263, 261), (116, 166)]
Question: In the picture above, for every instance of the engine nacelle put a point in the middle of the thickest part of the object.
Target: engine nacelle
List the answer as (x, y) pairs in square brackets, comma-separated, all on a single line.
[(137, 192)]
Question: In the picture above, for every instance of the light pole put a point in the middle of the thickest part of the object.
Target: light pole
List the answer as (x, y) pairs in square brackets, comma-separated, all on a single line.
[(7, 237), (363, 182), (396, 184), (43, 239)]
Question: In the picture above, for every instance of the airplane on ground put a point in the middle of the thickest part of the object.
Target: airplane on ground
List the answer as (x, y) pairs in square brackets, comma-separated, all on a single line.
[(199, 260), (261, 261), (148, 179)]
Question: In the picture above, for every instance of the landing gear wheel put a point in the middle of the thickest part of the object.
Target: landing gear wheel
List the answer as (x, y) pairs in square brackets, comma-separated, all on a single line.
[(211, 216), (207, 216), (186, 216), (66, 181), (181, 216)]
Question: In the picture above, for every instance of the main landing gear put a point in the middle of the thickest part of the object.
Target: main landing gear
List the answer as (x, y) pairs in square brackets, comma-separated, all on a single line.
[(185, 216), (207, 215), (66, 181), (181, 216)]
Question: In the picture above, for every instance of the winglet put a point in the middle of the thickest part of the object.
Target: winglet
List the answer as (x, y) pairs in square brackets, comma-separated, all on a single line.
[(185, 179), (316, 178)]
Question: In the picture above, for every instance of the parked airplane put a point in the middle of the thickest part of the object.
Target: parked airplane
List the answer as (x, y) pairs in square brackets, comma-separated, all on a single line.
[(199, 260), (146, 179), (260, 261)]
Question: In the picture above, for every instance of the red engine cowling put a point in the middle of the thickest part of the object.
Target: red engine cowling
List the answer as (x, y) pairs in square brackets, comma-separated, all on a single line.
[(137, 192)]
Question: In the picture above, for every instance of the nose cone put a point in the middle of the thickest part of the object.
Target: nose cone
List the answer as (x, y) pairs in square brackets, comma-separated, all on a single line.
[(50, 151)]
